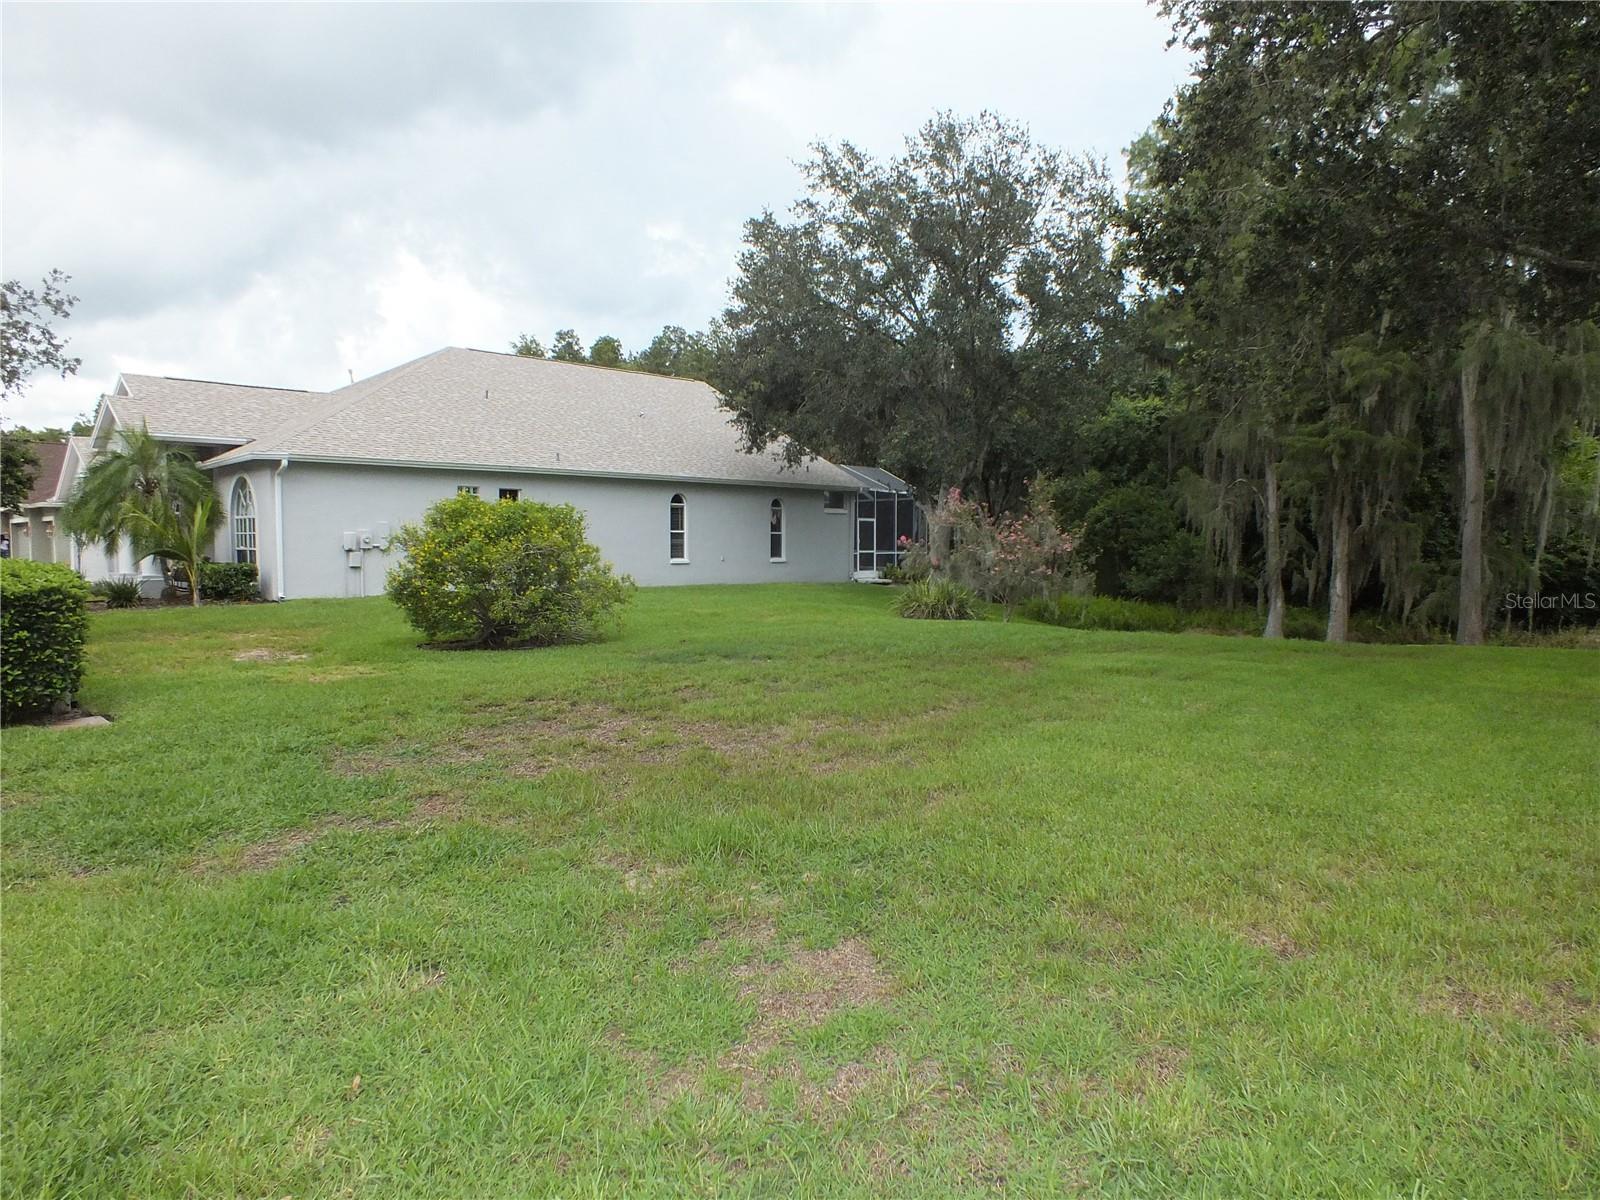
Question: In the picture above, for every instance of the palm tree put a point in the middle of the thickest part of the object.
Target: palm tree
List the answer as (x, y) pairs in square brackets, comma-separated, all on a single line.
[(140, 474), (181, 537)]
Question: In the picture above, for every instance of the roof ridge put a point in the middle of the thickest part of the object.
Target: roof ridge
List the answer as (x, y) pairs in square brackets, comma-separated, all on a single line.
[(338, 401), (561, 362), (260, 387)]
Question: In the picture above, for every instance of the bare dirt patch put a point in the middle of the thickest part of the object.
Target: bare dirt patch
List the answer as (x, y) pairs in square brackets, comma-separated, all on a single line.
[(1157, 1068), (1560, 1009), (424, 977), (796, 990), (1279, 944), (268, 654), (338, 675), (530, 741), (640, 875), (437, 806), (801, 990), (268, 853)]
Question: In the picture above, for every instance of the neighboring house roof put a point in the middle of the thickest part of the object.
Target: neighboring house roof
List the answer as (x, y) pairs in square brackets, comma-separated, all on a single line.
[(197, 410), (48, 476), (80, 451), (479, 409)]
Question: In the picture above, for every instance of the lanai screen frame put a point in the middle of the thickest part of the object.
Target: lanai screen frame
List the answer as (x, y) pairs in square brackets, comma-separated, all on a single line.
[(880, 489)]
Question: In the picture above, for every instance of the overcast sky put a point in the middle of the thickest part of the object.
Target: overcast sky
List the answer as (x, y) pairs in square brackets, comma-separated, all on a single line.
[(282, 195)]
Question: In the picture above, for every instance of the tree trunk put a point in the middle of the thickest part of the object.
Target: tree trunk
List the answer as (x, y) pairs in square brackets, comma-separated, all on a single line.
[(1274, 533), (1339, 575), (1235, 549), (1541, 540), (1469, 613), (939, 539), (194, 584)]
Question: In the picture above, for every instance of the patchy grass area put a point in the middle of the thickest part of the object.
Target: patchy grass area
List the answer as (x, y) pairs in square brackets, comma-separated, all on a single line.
[(777, 894)]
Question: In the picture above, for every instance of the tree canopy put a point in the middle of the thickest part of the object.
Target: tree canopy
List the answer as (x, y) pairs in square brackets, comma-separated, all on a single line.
[(1359, 216), (937, 311), (29, 340)]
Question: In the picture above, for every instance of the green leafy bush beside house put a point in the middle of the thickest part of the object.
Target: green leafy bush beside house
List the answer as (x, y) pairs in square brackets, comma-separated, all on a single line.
[(512, 573), (44, 624), (229, 581)]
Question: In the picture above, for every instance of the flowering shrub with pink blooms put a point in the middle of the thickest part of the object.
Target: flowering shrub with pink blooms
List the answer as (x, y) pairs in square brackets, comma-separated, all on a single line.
[(1005, 559), (913, 566)]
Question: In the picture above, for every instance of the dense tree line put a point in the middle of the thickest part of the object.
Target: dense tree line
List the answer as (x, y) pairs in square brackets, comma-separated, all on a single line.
[(674, 351), (1336, 344), (1372, 232)]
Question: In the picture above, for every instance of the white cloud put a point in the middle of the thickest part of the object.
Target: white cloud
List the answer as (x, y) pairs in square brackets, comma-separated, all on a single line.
[(278, 194)]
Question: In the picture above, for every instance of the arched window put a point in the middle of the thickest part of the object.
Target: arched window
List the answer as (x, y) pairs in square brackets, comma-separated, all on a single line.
[(677, 529), (242, 515), (775, 532)]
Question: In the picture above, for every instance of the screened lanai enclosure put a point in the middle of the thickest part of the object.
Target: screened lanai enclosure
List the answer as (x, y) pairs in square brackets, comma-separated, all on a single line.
[(885, 513)]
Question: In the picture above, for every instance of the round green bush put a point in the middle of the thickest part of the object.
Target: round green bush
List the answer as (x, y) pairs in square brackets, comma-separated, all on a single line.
[(512, 573), (44, 622)]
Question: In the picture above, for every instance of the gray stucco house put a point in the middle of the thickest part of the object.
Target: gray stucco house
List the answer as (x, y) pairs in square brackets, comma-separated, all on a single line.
[(314, 483)]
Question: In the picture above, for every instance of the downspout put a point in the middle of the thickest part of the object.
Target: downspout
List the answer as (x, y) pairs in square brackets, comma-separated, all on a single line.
[(277, 524)]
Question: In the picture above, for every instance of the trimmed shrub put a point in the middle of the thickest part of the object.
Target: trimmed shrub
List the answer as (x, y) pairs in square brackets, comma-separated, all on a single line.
[(229, 581), (937, 600), (120, 591), (44, 621), (512, 573)]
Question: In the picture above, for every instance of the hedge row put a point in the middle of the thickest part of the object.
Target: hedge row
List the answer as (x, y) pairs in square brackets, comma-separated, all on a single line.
[(44, 622)]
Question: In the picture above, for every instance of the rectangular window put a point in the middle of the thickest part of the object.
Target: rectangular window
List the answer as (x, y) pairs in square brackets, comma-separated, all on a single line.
[(833, 502), (775, 532), (510, 493), (467, 489)]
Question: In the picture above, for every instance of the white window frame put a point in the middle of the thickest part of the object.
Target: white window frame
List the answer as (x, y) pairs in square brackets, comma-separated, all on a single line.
[(778, 531), (678, 507), (466, 489), (841, 507), (516, 494), (244, 532)]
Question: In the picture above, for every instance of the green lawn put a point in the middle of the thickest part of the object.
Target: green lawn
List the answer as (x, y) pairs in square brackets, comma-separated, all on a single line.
[(776, 894)]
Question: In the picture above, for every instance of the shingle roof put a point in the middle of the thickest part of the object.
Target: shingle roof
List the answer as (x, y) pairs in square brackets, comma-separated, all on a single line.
[(475, 408), (198, 410), (48, 473)]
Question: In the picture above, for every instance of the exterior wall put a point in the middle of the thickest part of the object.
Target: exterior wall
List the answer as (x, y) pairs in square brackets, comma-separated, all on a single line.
[(91, 562), (36, 534), (21, 536), (727, 525), (259, 476)]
